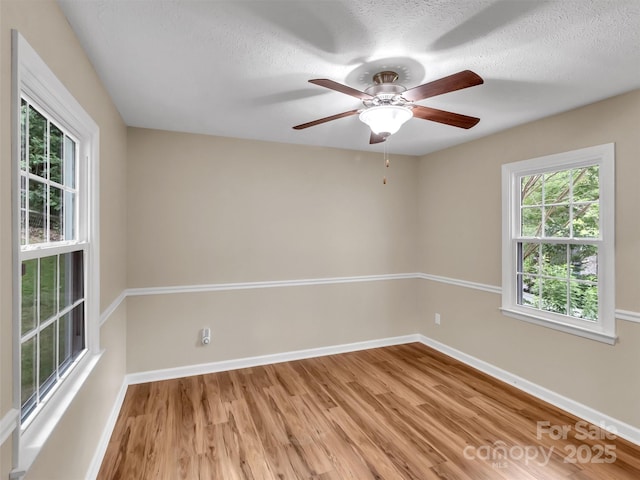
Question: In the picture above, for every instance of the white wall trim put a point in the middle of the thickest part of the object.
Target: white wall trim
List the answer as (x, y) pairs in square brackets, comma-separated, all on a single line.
[(627, 315), (113, 307), (622, 429), (217, 287), (461, 283), (8, 424), (226, 365), (101, 449)]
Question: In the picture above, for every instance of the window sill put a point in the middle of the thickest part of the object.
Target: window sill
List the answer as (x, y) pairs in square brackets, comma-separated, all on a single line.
[(597, 335), (36, 432)]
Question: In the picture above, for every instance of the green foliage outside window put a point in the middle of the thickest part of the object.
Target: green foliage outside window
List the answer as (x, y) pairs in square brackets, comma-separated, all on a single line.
[(560, 277)]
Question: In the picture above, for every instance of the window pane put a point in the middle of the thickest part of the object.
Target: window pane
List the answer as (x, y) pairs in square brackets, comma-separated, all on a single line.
[(77, 330), (29, 283), (530, 291), (554, 295), (56, 139), (557, 221), (69, 215), (584, 262), (586, 220), (586, 184), (554, 260), (47, 356), (28, 374), (530, 258), (531, 190), (37, 212), (64, 339), (69, 162), (71, 278), (48, 287), (531, 222), (23, 134), (55, 215), (37, 143), (23, 210), (556, 187), (584, 300)]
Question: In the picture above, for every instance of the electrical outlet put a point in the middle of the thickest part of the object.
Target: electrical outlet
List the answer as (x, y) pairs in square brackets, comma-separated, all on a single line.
[(206, 336), (437, 319)]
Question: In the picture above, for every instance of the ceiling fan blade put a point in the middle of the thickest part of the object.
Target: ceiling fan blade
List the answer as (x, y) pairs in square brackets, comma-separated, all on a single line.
[(325, 119), (338, 87), (454, 82), (441, 116), (375, 138)]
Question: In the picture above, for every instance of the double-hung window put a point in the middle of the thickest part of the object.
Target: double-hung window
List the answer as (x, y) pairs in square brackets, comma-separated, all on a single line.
[(558, 241), (55, 225), (53, 245)]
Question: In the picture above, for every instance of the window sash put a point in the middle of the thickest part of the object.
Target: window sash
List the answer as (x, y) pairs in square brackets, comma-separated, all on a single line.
[(570, 279), (69, 175), (73, 311)]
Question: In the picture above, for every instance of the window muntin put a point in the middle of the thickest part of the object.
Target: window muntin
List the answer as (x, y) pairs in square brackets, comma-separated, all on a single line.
[(553, 274), (48, 179), (53, 306), (558, 241)]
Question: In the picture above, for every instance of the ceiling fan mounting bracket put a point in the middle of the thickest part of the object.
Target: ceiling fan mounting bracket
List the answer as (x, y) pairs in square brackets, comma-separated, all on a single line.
[(386, 76), (384, 90)]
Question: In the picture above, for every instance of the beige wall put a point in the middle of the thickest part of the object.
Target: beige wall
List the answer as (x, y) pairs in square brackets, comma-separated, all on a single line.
[(46, 29), (206, 210), (163, 330), (209, 210), (460, 237)]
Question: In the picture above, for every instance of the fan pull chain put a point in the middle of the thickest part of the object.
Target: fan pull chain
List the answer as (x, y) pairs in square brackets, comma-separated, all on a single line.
[(386, 163)]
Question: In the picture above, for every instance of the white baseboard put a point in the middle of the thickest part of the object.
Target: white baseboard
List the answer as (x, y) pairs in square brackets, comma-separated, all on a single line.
[(101, 449), (589, 414), (225, 365)]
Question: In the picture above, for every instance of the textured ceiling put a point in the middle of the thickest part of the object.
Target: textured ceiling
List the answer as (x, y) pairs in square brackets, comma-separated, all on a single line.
[(240, 68)]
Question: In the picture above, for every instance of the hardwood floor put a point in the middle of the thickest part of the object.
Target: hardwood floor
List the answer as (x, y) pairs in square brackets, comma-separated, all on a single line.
[(401, 412)]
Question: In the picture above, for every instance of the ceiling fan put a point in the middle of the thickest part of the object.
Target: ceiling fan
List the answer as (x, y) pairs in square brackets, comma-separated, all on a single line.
[(387, 105)]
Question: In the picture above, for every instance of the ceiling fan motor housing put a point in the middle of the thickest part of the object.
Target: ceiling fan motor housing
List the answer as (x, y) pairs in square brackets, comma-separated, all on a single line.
[(385, 92)]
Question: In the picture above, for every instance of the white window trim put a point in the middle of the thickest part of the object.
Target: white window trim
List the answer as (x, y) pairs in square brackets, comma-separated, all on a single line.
[(603, 155), (32, 77)]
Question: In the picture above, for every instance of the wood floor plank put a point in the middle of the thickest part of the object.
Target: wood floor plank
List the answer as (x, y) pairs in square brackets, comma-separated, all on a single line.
[(251, 449), (405, 412), (370, 455)]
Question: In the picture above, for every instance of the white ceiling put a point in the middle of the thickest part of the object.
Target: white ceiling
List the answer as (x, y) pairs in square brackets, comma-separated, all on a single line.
[(240, 68)]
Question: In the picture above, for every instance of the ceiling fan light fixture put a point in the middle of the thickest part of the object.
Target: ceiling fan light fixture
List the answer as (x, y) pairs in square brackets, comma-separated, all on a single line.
[(385, 119)]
